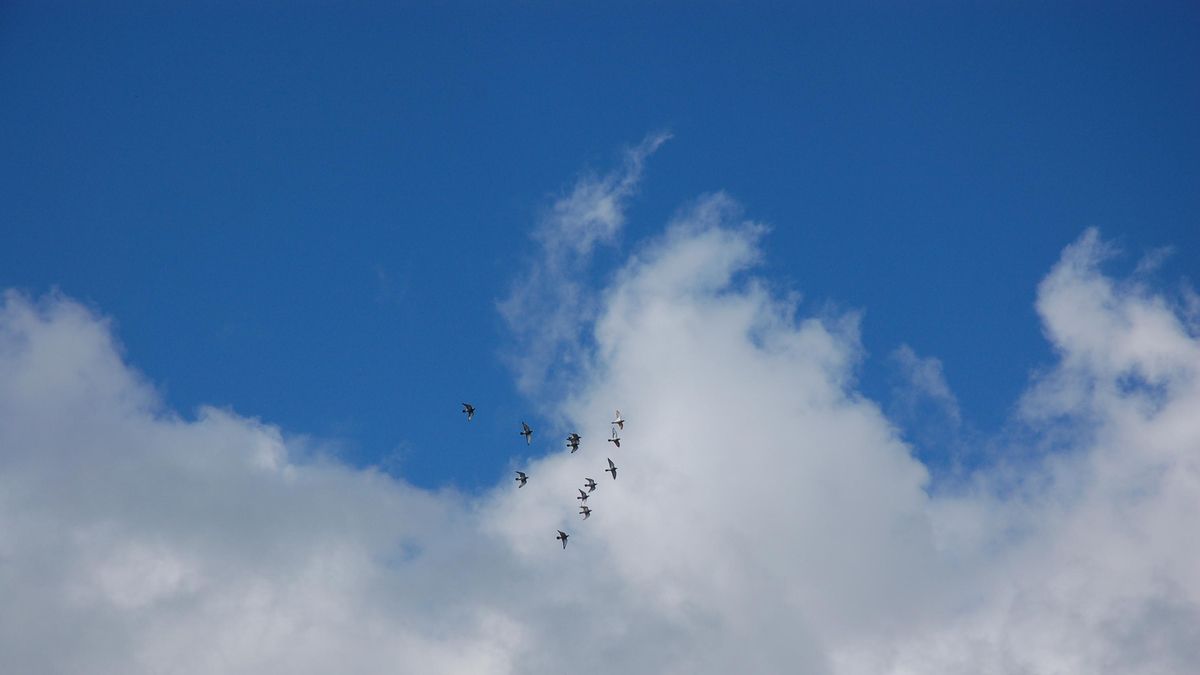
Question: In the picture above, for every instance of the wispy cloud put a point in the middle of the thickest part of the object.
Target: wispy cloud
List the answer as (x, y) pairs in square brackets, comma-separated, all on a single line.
[(924, 380), (546, 308)]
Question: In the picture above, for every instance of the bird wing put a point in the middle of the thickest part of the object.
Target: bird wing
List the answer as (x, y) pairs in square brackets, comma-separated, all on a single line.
[(610, 464)]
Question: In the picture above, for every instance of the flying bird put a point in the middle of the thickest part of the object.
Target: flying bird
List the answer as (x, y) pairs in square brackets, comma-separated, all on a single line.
[(585, 511), (527, 433), (521, 478), (573, 442), (619, 422), (590, 485), (563, 535), (612, 468), (615, 440), (574, 438), (469, 410), (582, 497)]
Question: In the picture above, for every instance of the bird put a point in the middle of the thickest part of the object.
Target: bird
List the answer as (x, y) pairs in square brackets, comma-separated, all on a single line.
[(469, 410), (615, 440), (585, 511), (527, 433), (563, 535), (590, 485), (619, 422), (573, 442), (574, 437), (612, 468), (582, 497), (521, 478)]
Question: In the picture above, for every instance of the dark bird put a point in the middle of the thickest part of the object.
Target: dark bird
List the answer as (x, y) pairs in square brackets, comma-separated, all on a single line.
[(585, 511), (563, 535), (582, 497), (574, 438), (615, 440), (469, 410), (573, 446), (527, 433), (521, 478), (619, 422), (590, 485), (612, 468)]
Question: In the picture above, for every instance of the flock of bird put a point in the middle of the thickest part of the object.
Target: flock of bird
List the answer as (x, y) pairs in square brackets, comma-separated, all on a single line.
[(573, 440)]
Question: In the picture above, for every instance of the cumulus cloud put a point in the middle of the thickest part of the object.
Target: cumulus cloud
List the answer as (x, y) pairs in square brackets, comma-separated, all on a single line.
[(135, 541), (1084, 565), (767, 516)]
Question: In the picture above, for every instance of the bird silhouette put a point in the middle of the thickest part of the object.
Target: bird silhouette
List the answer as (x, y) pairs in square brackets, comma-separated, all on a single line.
[(527, 433), (521, 478), (469, 410), (585, 511), (563, 535), (619, 422), (612, 468), (615, 440), (582, 497), (590, 485)]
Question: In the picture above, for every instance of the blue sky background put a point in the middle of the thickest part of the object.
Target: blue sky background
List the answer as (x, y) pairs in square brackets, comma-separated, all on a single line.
[(308, 212)]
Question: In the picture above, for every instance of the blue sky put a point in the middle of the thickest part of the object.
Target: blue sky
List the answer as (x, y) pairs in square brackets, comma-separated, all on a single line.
[(898, 304), (309, 212)]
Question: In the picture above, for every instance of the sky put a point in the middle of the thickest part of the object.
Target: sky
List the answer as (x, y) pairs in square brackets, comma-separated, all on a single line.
[(899, 304)]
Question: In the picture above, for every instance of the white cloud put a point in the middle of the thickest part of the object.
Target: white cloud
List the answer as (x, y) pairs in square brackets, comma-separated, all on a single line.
[(767, 517), (547, 308), (1097, 574), (924, 379)]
